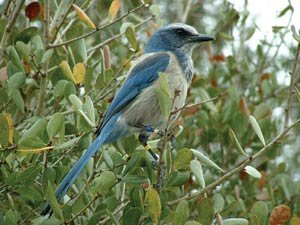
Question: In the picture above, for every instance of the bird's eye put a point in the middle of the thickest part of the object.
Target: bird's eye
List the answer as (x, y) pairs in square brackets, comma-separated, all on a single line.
[(180, 31)]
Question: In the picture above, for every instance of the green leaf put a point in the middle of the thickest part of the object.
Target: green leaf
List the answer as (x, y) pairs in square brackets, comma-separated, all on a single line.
[(132, 163), (206, 211), (163, 95), (4, 127), (183, 159), (154, 9), (23, 50), (132, 216), (285, 10), (35, 130), (31, 143), (46, 57), (262, 110), (206, 160), (182, 212), (76, 102), (219, 203), (153, 204), (259, 213), (296, 35), (15, 58), (104, 182), (81, 50), (67, 144), (51, 199), (257, 129), (235, 221), (26, 34), (18, 100), (11, 217), (177, 179), (252, 172), (130, 35), (204, 97), (198, 172), (134, 179), (88, 108), (237, 143), (107, 159), (55, 124), (16, 81)]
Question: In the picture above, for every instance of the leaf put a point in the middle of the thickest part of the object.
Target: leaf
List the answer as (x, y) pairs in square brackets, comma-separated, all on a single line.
[(65, 68), (32, 10), (27, 34), (219, 203), (55, 124), (67, 144), (235, 221), (23, 49), (76, 102), (280, 214), (15, 58), (295, 220), (130, 35), (257, 129), (154, 9), (181, 213), (204, 97), (104, 182), (183, 159), (4, 127), (10, 128), (163, 95), (132, 216), (79, 73), (252, 172), (46, 57), (206, 160), (206, 211), (296, 35), (83, 17), (51, 199), (259, 213), (153, 205), (177, 179), (113, 9), (285, 10), (16, 81), (18, 100), (11, 217), (89, 109), (106, 57), (237, 143), (198, 172)]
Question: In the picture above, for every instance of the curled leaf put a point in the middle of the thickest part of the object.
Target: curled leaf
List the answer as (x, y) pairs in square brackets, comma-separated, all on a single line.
[(257, 129), (237, 143), (83, 17), (252, 172), (114, 9), (206, 160)]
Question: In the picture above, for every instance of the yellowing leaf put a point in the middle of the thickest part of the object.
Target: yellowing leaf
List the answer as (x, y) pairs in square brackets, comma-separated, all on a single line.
[(295, 220), (36, 150), (79, 73), (65, 68), (113, 9), (10, 128), (153, 204), (83, 17)]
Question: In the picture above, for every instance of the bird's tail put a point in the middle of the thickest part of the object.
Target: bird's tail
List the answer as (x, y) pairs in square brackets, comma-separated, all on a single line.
[(80, 164)]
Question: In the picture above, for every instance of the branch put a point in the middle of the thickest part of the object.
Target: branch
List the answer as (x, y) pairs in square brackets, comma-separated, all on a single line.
[(93, 49), (237, 169), (105, 220), (97, 29), (291, 88)]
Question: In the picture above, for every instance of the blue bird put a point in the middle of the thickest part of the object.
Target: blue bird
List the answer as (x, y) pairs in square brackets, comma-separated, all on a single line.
[(135, 107)]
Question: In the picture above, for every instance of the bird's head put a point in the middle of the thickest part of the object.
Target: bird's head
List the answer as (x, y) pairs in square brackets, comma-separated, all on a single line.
[(176, 37)]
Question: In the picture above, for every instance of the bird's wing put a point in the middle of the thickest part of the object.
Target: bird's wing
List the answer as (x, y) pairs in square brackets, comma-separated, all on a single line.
[(141, 76)]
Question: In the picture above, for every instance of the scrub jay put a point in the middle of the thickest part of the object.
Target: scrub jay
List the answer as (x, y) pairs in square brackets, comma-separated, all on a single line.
[(135, 107)]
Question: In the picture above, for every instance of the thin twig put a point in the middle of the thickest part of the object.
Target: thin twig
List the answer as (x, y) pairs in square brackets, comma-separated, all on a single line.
[(105, 220), (291, 87), (7, 8), (237, 169), (107, 41), (97, 29)]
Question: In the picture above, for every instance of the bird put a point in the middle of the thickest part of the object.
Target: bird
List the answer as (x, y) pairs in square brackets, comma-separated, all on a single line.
[(135, 107)]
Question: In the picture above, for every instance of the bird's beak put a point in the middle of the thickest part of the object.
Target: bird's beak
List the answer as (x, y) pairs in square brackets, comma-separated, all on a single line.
[(201, 38)]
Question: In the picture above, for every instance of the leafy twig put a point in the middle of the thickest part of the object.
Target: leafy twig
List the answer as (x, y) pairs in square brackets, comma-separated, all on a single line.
[(238, 168), (291, 88), (97, 29), (8, 29)]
